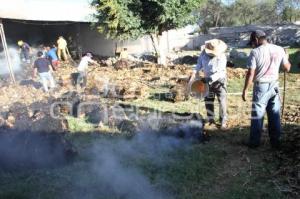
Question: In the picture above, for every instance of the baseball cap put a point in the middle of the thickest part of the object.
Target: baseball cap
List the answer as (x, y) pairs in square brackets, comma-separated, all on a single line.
[(256, 34)]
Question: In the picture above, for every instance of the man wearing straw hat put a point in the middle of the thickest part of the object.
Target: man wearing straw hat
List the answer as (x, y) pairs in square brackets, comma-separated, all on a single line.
[(212, 61)]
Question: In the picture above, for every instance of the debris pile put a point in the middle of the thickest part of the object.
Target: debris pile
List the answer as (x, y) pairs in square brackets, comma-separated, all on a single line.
[(292, 115), (133, 83), (281, 34), (236, 73)]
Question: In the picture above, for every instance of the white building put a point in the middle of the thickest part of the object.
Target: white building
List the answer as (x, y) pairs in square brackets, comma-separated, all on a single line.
[(42, 21)]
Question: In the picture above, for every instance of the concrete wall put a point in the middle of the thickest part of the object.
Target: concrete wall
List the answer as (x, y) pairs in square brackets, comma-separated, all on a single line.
[(139, 46), (82, 38), (93, 41)]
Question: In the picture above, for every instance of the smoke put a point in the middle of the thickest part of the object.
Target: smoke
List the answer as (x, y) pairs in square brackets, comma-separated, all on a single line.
[(15, 60), (26, 150), (108, 167), (113, 164), (117, 164)]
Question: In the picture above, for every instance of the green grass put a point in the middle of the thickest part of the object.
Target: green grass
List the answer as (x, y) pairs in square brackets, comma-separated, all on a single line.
[(79, 124), (220, 169)]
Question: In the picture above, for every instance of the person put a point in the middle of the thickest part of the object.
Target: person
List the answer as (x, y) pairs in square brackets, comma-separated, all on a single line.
[(43, 68), (62, 48), (123, 58), (83, 67), (44, 50), (124, 54), (24, 51), (51, 54), (263, 69), (212, 61)]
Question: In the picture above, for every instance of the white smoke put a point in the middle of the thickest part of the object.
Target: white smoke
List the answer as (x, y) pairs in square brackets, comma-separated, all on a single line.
[(116, 167), (15, 61), (113, 164)]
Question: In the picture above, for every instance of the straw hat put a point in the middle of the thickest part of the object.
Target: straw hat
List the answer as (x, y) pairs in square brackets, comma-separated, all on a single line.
[(215, 47), (20, 42)]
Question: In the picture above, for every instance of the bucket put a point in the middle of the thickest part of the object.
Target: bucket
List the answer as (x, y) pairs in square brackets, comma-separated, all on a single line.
[(199, 89)]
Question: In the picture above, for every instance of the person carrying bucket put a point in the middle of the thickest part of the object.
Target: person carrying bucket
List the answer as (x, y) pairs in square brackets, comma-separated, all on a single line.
[(212, 61)]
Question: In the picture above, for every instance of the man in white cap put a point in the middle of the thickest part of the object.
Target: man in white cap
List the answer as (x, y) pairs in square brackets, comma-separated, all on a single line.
[(263, 69), (83, 69), (212, 61)]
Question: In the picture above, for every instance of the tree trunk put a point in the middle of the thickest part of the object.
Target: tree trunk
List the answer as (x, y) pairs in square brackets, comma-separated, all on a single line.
[(154, 43), (157, 41), (217, 20), (162, 57)]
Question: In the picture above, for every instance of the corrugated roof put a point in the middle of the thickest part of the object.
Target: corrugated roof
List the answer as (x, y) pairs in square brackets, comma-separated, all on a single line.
[(47, 10)]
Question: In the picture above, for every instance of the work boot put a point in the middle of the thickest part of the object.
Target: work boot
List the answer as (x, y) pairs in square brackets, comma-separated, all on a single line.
[(224, 125), (211, 122)]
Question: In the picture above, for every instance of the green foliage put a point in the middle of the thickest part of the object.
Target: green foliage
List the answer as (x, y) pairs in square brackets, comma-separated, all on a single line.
[(289, 10), (118, 19), (130, 19), (243, 12)]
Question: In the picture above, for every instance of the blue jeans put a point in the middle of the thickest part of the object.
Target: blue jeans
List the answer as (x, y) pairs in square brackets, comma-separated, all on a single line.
[(45, 77), (25, 55), (81, 79), (265, 99)]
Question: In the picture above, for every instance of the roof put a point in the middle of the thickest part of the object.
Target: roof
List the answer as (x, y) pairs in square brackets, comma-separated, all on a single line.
[(47, 10)]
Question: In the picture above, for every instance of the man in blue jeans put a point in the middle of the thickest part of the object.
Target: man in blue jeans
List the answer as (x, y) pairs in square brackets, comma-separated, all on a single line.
[(263, 70), (43, 67)]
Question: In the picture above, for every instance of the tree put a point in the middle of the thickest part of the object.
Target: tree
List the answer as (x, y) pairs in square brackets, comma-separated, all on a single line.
[(118, 19), (131, 19), (212, 14), (289, 10)]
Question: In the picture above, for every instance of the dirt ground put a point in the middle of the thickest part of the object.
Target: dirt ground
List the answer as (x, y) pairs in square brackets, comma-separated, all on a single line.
[(149, 90)]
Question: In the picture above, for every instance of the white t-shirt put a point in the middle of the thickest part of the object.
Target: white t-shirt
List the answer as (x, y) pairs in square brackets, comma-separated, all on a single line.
[(266, 60), (84, 63)]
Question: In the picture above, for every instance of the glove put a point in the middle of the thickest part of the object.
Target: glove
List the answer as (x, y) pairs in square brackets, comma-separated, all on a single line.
[(206, 80)]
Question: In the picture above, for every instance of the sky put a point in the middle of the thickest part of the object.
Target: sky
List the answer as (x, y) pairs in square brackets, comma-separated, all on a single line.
[(228, 2), (45, 10)]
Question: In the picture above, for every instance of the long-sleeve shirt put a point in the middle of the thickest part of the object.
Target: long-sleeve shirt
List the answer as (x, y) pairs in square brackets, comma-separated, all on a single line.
[(213, 67), (25, 47), (61, 43)]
